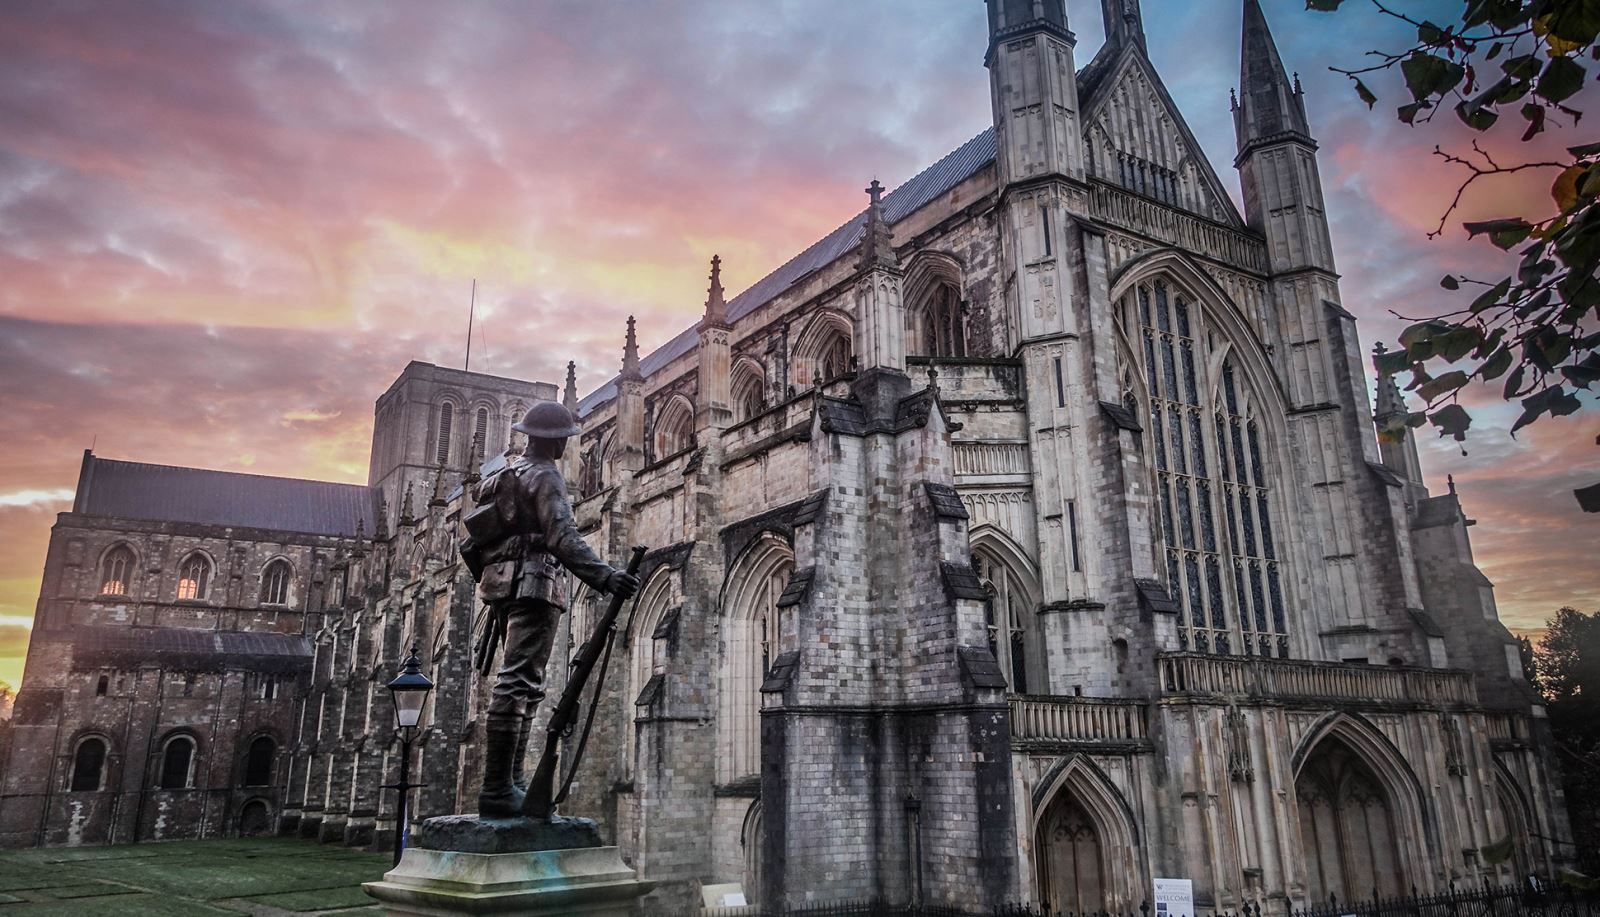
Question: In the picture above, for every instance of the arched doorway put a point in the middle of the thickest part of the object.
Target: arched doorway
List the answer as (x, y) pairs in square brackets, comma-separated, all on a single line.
[(1072, 869), (1349, 826), (255, 819)]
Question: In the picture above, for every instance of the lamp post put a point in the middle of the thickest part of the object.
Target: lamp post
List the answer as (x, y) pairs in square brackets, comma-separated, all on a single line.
[(409, 690)]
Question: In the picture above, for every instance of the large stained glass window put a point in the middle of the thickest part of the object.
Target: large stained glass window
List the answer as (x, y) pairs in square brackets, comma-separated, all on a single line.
[(1209, 453)]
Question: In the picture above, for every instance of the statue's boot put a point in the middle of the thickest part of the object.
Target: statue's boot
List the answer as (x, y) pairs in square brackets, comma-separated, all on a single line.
[(500, 798), (519, 765)]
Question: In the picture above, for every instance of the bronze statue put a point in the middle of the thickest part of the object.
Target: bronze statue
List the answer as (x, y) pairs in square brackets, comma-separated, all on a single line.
[(520, 535)]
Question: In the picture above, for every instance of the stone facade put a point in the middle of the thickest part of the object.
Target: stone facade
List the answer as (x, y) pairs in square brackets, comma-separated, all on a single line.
[(1025, 539)]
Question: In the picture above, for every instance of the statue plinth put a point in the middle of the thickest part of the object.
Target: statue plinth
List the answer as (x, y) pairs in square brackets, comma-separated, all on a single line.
[(463, 864)]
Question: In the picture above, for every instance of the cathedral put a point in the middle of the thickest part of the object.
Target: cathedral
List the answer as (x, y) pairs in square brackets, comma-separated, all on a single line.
[(1028, 538)]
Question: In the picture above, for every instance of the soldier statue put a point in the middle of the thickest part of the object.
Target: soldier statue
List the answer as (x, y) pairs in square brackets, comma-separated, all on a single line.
[(519, 535)]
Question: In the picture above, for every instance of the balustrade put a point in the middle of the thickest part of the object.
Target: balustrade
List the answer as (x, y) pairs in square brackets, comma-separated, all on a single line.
[(1193, 673), (1077, 719), (1175, 227)]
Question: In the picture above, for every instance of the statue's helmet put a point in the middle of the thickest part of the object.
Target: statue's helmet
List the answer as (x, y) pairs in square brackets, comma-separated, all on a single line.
[(547, 420)]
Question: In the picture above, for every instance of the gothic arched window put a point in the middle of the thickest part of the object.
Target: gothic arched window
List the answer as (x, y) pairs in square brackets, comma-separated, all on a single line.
[(88, 765), (647, 653), (674, 428), (116, 571), (1212, 465), (749, 390), (1348, 829), (940, 328), (754, 624), (177, 763), (441, 450), (194, 576), (1006, 612), (275, 581), (835, 359)]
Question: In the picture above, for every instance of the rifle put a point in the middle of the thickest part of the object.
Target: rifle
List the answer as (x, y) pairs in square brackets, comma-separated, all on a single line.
[(540, 802)]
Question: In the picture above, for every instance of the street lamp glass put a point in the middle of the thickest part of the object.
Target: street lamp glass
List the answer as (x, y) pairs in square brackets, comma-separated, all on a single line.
[(410, 693)]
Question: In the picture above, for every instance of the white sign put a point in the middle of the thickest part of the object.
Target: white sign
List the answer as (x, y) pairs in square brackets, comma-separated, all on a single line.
[(1174, 898)]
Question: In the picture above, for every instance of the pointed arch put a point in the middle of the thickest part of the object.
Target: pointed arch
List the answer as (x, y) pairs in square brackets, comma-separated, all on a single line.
[(1078, 811), (935, 306), (673, 429), (117, 566), (195, 575), (753, 631), (822, 351), (1217, 436), (645, 655), (749, 388), (1011, 581), (750, 843), (1363, 820)]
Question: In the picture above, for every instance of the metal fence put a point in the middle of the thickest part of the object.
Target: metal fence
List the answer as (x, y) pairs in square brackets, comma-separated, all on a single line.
[(1467, 901)]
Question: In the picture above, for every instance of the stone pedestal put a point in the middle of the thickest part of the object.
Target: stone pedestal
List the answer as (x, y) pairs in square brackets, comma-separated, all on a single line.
[(462, 864)]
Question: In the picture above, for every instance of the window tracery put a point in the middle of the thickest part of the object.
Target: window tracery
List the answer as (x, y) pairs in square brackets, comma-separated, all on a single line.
[(194, 577), (1209, 452), (116, 571)]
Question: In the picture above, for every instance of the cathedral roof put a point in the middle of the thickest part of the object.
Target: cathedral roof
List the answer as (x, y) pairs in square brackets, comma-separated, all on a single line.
[(165, 493), (916, 193), (202, 650)]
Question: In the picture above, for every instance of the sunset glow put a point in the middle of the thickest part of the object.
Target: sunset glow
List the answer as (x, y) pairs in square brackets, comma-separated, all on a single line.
[(225, 228)]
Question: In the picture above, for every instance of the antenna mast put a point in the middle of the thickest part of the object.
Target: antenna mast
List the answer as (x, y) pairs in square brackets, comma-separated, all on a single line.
[(467, 365)]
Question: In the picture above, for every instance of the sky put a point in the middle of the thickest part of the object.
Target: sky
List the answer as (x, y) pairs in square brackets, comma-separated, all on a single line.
[(226, 227)]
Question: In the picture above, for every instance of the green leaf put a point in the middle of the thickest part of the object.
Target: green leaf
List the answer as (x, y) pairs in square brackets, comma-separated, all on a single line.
[(1323, 6), (1450, 283), (1430, 34), (1505, 233), (1409, 111), (1513, 386), (1490, 297), (1555, 400), (1497, 364), (1391, 362), (1422, 332), (1575, 21), (1457, 343), (1363, 92), (1452, 420), (1437, 388), (1428, 75), (1475, 116), (1535, 116), (1494, 50), (1585, 149), (1562, 78), (1521, 67)]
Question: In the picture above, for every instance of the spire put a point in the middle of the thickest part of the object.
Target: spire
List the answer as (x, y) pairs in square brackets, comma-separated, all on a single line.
[(876, 250), (406, 518), (438, 487), (1124, 21), (630, 354), (569, 395), (1268, 104), (716, 309), (1389, 402)]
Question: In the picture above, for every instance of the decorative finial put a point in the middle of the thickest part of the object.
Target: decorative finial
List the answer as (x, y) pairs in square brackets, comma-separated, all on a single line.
[(876, 250), (569, 395), (361, 530), (630, 353), (1379, 348), (1297, 90), (405, 508), (438, 487), (1450, 480), (716, 308), (1233, 99)]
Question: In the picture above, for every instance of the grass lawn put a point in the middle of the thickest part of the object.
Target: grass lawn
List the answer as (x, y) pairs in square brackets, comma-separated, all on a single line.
[(268, 877)]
